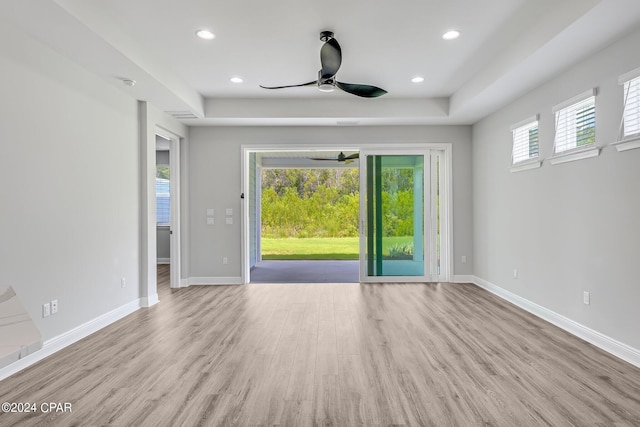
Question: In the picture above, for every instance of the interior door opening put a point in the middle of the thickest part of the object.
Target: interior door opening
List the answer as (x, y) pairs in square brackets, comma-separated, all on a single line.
[(168, 204)]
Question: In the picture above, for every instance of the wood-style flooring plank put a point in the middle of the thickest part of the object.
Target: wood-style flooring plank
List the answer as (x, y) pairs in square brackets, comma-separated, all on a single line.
[(329, 354)]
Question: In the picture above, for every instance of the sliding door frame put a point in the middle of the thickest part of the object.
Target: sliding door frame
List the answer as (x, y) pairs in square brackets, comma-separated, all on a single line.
[(446, 195), (437, 170)]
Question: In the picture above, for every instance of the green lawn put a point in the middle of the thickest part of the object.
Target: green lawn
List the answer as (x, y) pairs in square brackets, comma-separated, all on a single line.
[(314, 248)]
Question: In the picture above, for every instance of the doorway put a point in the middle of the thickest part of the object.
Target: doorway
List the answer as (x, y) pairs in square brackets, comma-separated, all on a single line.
[(303, 211), (167, 202), (420, 247)]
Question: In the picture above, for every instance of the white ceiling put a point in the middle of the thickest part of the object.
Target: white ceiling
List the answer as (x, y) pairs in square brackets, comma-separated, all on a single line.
[(507, 47)]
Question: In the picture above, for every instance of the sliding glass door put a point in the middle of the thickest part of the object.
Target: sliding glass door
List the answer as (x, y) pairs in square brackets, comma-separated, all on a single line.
[(399, 216)]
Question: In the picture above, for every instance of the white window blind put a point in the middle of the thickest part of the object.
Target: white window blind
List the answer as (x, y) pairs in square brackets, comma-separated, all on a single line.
[(525, 140), (631, 115), (575, 123)]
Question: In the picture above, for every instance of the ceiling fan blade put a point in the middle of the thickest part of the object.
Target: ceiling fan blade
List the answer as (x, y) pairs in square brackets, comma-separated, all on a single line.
[(330, 58), (352, 156), (282, 87), (365, 91), (323, 158)]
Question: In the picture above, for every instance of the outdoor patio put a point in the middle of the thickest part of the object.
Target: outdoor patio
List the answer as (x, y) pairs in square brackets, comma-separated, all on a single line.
[(305, 272)]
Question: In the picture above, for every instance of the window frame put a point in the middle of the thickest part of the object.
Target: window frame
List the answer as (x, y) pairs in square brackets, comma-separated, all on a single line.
[(576, 152), (631, 141), (525, 125)]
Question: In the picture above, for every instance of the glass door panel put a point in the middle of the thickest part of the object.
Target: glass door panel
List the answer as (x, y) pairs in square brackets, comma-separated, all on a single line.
[(395, 216)]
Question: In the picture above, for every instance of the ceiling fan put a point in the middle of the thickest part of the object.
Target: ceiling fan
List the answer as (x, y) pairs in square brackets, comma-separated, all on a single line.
[(340, 159), (331, 59)]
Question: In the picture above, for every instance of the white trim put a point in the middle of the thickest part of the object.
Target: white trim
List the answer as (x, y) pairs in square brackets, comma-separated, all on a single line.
[(245, 220), (65, 339), (573, 100), (446, 233), (149, 301), (629, 75), (521, 123), (627, 144), (608, 344), (175, 201), (570, 156), (164, 261), (233, 280), (526, 165)]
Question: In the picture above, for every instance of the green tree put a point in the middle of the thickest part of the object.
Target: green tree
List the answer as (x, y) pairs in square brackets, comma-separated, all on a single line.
[(162, 172)]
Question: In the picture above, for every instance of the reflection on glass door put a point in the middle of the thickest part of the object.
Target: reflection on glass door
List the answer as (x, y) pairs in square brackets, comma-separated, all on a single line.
[(395, 213)]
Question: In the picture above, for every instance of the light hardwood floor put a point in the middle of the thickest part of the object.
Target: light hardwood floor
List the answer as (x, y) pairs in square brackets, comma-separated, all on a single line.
[(329, 354)]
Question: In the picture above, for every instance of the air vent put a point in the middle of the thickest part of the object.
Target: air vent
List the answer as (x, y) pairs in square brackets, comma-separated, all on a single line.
[(182, 114)]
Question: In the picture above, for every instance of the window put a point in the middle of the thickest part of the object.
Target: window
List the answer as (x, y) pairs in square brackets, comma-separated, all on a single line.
[(631, 115), (575, 123), (629, 136), (525, 140), (163, 196)]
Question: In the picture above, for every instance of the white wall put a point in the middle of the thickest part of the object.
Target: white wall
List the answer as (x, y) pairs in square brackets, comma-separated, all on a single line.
[(570, 227), (69, 226), (215, 182)]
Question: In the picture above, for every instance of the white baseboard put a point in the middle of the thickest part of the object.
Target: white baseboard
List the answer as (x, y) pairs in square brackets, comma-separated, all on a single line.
[(608, 344), (149, 301), (67, 338), (215, 280)]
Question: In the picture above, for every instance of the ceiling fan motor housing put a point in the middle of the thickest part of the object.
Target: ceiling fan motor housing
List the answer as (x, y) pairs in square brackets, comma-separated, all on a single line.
[(325, 36), (326, 84)]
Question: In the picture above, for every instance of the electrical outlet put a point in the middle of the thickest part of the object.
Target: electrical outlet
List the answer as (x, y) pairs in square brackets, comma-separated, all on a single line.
[(123, 283), (464, 259), (54, 306), (225, 260), (46, 310), (586, 298)]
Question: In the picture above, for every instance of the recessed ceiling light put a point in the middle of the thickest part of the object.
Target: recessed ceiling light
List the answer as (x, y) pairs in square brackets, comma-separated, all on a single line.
[(205, 34), (450, 35), (236, 80), (417, 79)]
